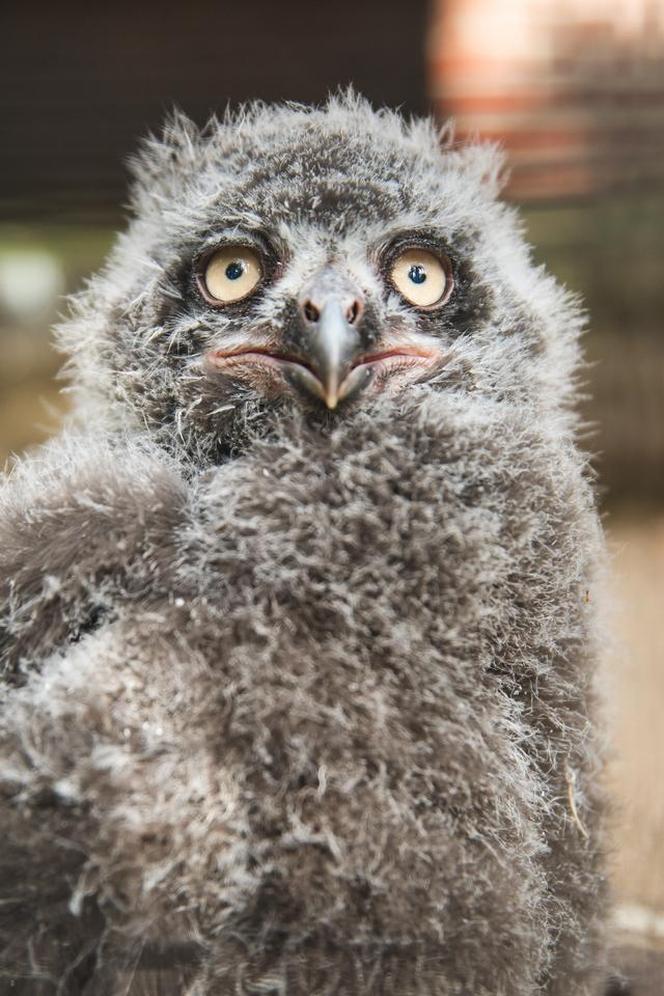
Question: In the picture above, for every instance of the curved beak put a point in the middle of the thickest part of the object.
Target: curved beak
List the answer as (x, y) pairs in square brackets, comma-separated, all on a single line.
[(330, 340), (333, 345)]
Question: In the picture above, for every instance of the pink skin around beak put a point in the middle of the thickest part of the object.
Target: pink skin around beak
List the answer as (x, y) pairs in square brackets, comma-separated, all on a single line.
[(331, 362)]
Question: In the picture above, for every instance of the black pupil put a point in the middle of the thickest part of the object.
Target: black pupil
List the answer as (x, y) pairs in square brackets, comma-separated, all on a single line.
[(234, 270), (417, 274)]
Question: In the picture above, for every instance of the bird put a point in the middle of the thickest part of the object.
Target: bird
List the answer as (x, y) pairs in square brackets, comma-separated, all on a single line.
[(299, 623)]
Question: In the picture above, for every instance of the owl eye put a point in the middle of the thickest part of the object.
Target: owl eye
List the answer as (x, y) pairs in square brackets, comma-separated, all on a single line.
[(230, 274), (421, 277)]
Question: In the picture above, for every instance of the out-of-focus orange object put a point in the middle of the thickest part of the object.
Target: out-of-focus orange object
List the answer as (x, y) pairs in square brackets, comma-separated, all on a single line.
[(574, 90)]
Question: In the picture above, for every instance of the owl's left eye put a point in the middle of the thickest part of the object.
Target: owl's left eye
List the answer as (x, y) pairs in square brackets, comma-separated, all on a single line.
[(230, 274), (422, 277)]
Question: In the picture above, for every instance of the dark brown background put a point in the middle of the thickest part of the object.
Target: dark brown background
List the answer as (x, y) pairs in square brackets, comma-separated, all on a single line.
[(83, 81)]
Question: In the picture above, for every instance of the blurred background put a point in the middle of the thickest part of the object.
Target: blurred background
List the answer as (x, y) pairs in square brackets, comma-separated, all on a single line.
[(574, 90)]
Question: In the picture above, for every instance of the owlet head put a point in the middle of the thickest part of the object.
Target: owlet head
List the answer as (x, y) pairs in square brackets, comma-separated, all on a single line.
[(311, 260)]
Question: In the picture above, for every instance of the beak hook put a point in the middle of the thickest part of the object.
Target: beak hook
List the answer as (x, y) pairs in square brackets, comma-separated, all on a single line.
[(330, 319), (333, 345)]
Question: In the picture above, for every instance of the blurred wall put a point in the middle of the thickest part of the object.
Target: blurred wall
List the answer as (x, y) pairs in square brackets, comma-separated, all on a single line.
[(575, 90)]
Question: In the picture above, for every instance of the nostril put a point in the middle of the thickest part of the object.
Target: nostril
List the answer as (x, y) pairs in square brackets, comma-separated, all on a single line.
[(311, 312), (353, 312)]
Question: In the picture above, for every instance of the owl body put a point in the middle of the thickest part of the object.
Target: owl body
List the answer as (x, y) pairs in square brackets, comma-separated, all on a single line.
[(298, 645)]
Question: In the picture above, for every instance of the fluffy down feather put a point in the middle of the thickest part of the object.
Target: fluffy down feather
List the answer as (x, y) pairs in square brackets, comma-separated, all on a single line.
[(304, 706)]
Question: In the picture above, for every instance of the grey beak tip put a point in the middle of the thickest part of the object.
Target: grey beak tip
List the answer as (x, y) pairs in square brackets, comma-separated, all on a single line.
[(333, 346)]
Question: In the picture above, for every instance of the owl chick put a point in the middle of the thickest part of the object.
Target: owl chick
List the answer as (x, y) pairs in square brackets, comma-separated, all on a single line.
[(296, 634)]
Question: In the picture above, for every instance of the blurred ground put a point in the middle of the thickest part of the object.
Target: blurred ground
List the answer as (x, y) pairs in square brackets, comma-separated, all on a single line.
[(634, 682), (635, 671)]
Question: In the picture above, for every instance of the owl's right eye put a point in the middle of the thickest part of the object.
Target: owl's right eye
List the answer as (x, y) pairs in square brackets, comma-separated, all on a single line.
[(423, 278), (230, 274)]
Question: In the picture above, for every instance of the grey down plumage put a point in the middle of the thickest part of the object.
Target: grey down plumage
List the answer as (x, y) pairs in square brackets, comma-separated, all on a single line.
[(301, 701)]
